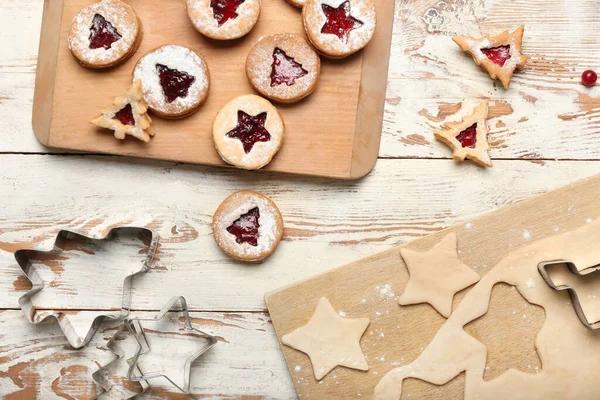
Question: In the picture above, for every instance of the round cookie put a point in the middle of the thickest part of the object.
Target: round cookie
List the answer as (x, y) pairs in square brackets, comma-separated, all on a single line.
[(105, 34), (175, 80), (283, 67), (223, 19), (248, 132), (297, 3), (248, 226), (339, 28)]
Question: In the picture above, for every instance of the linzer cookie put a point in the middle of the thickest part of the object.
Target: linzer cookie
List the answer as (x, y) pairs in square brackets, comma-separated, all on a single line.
[(283, 67), (248, 226), (248, 132), (223, 19), (175, 80), (499, 55), (339, 28), (105, 34), (127, 116), (468, 138)]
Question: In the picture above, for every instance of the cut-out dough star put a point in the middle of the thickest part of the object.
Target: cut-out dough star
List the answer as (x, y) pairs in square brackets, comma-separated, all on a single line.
[(128, 115), (339, 21), (250, 130), (468, 138), (492, 54), (330, 340), (436, 275)]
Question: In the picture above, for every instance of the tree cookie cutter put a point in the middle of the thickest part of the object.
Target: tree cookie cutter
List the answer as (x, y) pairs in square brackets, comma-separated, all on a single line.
[(542, 268), (135, 325), (26, 256)]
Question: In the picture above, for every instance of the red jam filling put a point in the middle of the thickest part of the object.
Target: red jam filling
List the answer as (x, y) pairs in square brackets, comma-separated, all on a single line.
[(339, 21), (174, 83), (285, 69), (250, 130), (499, 55), (224, 10), (468, 137), (246, 227), (102, 33), (125, 115)]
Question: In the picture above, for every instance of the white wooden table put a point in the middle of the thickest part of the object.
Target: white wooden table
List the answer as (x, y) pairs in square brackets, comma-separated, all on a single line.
[(544, 134)]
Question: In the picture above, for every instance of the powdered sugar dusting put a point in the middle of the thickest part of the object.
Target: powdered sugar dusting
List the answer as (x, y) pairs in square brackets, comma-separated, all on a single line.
[(260, 64), (120, 15), (202, 16), (179, 58), (268, 231), (314, 19), (231, 149)]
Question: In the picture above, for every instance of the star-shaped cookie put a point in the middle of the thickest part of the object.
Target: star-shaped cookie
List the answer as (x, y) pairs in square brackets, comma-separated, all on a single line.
[(468, 138), (330, 340), (436, 275), (499, 55), (339, 21), (128, 115)]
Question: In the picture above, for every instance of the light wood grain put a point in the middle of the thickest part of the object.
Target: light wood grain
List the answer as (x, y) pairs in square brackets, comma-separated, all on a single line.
[(331, 133), (326, 223), (401, 333), (245, 363)]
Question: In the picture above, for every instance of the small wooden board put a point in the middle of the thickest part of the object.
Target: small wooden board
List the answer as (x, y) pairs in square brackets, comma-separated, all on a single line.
[(399, 334), (334, 133)]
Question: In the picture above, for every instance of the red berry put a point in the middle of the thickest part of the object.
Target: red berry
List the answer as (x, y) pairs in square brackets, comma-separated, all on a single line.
[(589, 78)]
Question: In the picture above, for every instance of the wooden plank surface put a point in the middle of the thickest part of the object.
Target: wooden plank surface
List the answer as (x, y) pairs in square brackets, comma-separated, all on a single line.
[(397, 334), (335, 223)]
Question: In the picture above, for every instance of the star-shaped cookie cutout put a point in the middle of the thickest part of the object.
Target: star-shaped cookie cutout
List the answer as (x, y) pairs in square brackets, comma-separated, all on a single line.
[(330, 340), (128, 115), (468, 138), (436, 275), (339, 21), (499, 55), (250, 130)]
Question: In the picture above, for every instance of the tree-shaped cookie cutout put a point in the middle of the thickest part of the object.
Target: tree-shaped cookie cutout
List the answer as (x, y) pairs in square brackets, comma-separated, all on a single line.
[(128, 115), (468, 138), (508, 331), (285, 69), (499, 55)]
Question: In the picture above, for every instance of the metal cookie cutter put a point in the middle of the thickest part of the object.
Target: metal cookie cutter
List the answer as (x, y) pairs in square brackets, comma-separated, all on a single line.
[(121, 344), (135, 325), (63, 247), (572, 292)]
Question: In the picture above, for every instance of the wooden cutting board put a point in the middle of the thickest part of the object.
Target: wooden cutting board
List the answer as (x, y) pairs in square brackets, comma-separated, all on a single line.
[(397, 335), (334, 133)]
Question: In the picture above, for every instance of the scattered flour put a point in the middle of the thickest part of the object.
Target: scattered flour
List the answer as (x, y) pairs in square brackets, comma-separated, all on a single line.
[(526, 235)]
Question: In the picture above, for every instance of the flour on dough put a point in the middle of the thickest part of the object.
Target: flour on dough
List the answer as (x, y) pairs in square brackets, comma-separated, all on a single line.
[(568, 350), (436, 275)]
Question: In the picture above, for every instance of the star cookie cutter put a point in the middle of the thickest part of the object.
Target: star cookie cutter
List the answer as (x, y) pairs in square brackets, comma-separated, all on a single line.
[(118, 346), (136, 327), (24, 258), (572, 292)]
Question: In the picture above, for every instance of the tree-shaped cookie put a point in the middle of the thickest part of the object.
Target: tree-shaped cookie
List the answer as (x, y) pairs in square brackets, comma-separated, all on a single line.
[(499, 55), (468, 138), (128, 115)]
